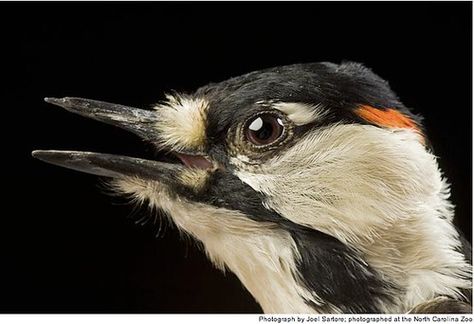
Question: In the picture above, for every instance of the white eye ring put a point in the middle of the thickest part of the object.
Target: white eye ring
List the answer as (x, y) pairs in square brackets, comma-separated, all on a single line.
[(256, 124)]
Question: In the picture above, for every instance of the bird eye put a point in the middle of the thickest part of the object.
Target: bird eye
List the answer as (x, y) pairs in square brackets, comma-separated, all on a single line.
[(264, 129)]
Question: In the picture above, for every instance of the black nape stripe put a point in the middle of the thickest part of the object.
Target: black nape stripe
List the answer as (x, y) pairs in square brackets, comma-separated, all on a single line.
[(338, 274)]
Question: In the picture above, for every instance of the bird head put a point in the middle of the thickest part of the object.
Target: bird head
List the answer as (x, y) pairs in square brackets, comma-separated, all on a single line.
[(313, 183)]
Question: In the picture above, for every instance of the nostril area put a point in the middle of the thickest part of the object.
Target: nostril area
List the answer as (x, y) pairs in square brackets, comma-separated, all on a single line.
[(195, 161)]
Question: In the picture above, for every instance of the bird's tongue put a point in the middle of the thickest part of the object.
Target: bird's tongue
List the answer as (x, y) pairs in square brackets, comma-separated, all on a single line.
[(195, 161)]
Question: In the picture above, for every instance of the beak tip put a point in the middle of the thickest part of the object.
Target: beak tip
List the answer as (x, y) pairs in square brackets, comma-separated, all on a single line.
[(36, 153), (54, 101), (50, 155), (39, 154)]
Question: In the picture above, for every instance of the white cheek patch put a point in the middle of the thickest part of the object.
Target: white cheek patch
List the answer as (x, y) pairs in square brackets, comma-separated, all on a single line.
[(182, 122), (377, 190), (300, 113), (348, 169)]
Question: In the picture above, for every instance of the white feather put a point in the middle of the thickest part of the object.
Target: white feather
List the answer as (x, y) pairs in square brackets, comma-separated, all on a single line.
[(377, 190)]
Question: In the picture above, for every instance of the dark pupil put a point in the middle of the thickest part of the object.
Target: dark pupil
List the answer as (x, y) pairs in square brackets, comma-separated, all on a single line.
[(266, 131)]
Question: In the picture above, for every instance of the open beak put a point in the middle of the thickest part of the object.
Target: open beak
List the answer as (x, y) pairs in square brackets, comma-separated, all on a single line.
[(135, 120)]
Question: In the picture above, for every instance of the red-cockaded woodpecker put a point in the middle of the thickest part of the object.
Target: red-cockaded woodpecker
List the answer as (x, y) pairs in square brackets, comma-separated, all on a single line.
[(313, 183)]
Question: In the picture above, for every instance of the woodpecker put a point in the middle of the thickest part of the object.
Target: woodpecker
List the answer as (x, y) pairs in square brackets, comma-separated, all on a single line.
[(313, 183)]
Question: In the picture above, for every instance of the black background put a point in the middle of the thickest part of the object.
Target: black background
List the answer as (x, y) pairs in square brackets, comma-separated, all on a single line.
[(68, 247)]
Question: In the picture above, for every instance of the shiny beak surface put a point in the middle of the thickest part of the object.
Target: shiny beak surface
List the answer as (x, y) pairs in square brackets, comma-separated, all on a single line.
[(135, 120), (138, 121), (113, 166)]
